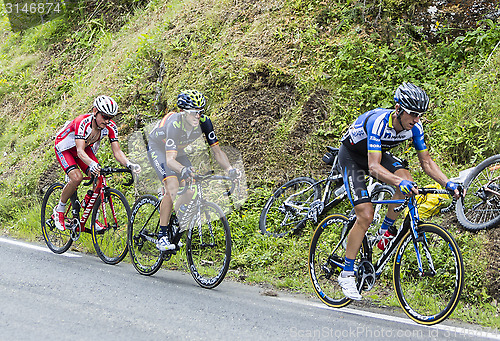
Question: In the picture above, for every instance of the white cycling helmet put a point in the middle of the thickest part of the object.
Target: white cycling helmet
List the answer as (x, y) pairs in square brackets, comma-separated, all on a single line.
[(106, 105)]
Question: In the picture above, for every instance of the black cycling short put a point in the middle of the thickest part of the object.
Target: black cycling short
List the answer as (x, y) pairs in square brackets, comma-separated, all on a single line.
[(355, 169), (158, 159)]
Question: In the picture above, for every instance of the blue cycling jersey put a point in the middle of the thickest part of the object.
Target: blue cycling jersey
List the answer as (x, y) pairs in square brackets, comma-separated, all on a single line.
[(374, 132)]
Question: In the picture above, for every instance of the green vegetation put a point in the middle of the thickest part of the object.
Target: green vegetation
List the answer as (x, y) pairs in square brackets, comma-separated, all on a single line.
[(283, 78)]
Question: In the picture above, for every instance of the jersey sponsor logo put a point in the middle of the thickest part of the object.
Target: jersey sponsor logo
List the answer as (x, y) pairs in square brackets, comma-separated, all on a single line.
[(177, 124), (211, 135), (170, 143), (357, 133)]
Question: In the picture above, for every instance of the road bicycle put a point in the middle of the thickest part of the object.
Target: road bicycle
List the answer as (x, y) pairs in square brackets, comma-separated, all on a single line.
[(108, 224), (303, 198), (479, 209), (428, 270), (208, 239)]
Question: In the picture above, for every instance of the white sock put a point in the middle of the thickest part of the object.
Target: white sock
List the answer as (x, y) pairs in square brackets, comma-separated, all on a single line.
[(61, 207)]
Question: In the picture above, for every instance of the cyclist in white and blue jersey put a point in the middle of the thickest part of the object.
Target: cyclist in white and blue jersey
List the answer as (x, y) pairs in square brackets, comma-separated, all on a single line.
[(364, 151)]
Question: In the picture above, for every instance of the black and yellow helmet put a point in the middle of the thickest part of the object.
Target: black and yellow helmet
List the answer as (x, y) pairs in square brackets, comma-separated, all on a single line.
[(191, 99)]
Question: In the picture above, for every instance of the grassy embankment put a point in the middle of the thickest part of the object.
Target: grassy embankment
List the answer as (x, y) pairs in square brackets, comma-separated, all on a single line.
[(284, 79)]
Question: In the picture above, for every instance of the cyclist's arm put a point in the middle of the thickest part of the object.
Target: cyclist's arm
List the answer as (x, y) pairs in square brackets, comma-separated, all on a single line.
[(378, 171), (80, 151), (221, 157), (172, 163), (432, 169), (118, 153)]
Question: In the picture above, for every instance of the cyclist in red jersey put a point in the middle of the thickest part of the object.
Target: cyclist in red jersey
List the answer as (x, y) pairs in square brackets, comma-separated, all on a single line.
[(76, 146)]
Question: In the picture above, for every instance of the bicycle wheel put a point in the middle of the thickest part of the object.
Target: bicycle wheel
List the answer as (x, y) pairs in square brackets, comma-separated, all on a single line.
[(58, 241), (326, 260), (208, 246), (430, 296), (480, 208), (142, 234), (109, 224), (286, 210)]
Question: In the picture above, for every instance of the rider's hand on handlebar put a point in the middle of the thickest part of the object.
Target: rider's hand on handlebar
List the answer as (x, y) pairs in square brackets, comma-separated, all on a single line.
[(187, 172), (455, 188), (94, 168), (234, 173), (134, 167), (408, 187)]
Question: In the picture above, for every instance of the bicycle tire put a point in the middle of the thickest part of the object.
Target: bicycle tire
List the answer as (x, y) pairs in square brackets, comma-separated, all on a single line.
[(323, 263), (208, 246), (57, 241), (145, 223), (110, 243), (430, 298), (479, 210), (273, 221)]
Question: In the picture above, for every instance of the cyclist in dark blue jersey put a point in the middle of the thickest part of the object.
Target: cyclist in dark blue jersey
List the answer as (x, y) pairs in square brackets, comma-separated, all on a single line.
[(364, 151), (166, 152)]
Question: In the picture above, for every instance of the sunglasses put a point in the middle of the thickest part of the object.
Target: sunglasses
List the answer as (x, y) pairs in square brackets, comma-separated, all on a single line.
[(106, 117), (413, 113), (195, 112)]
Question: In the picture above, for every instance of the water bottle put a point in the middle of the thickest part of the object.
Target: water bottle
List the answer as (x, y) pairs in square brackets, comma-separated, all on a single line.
[(85, 200), (339, 191)]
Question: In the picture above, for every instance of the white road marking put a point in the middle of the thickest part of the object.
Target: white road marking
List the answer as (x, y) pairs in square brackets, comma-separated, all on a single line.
[(36, 247), (449, 331)]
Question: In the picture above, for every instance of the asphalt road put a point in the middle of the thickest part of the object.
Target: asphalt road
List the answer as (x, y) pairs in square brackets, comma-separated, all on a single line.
[(44, 296)]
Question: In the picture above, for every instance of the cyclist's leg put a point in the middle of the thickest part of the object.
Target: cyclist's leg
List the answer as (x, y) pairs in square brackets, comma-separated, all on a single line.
[(68, 162), (186, 197), (168, 178), (354, 180)]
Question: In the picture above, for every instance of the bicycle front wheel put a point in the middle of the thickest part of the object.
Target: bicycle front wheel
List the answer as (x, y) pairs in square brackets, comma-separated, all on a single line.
[(110, 219), (58, 241), (480, 208), (326, 260), (430, 295), (208, 246), (286, 210), (142, 234)]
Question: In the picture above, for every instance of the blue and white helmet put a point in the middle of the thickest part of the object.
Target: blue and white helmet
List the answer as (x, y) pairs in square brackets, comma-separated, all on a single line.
[(106, 105)]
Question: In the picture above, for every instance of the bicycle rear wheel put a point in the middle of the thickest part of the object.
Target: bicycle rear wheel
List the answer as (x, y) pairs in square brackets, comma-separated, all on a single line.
[(110, 219), (428, 297), (480, 208), (142, 232), (286, 210), (326, 260), (208, 246), (58, 241)]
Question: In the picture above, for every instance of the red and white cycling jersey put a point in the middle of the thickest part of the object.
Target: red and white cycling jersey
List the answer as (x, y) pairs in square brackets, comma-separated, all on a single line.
[(80, 128)]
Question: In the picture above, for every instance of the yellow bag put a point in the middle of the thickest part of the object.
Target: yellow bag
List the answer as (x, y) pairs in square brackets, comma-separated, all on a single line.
[(429, 205)]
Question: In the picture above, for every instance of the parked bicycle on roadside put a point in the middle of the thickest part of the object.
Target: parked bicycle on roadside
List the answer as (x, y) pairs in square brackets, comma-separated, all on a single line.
[(304, 199), (479, 209), (108, 224)]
